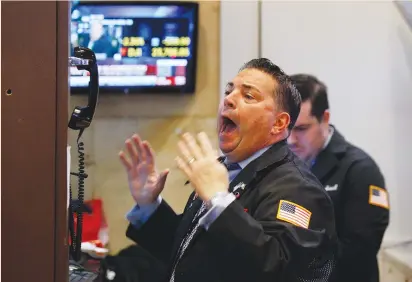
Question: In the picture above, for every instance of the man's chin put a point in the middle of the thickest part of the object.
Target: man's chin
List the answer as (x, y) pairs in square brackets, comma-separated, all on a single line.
[(300, 155), (297, 152), (226, 147)]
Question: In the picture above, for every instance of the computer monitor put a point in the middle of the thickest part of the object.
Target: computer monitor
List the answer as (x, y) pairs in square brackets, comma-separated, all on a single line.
[(140, 46)]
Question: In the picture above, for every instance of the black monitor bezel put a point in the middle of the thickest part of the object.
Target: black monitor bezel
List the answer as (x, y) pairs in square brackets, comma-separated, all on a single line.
[(188, 88)]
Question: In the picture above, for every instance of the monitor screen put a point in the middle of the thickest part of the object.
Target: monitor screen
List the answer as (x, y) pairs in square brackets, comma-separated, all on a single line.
[(139, 46)]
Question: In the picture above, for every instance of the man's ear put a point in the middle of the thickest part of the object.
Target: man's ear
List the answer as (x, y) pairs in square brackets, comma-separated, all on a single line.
[(281, 123), (326, 117)]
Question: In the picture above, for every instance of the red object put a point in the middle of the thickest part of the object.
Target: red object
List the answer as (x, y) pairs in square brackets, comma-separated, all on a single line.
[(123, 52), (92, 222), (171, 79), (151, 70), (246, 210), (180, 71)]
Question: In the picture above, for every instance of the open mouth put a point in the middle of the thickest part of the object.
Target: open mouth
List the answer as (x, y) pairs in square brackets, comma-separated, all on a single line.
[(227, 125)]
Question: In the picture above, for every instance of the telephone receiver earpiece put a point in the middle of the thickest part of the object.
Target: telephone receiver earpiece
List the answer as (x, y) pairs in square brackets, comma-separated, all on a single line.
[(85, 59)]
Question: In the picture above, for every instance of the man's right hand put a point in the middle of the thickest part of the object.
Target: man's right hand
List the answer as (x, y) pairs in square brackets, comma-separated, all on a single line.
[(145, 183)]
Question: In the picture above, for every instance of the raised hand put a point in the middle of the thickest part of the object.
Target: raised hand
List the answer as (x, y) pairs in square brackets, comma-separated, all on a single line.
[(198, 160), (145, 183)]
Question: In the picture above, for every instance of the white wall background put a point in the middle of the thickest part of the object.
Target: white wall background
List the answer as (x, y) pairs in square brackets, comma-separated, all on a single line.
[(238, 37), (363, 52)]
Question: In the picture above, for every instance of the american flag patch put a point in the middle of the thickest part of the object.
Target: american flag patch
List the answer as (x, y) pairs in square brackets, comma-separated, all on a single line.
[(294, 214), (378, 197)]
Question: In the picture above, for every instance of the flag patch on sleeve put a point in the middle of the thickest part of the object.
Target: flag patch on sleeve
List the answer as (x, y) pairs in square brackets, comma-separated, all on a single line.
[(378, 197), (294, 214)]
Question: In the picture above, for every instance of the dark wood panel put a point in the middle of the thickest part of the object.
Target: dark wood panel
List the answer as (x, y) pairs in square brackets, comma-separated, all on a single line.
[(28, 68), (62, 96)]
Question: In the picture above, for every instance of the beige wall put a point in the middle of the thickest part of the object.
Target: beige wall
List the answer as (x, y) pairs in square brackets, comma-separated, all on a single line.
[(158, 119)]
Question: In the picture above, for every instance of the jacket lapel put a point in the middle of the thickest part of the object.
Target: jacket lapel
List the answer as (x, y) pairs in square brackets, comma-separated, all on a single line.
[(243, 178), (248, 174), (328, 159)]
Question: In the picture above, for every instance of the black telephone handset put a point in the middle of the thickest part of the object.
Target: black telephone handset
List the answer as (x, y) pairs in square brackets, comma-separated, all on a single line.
[(81, 118), (85, 59)]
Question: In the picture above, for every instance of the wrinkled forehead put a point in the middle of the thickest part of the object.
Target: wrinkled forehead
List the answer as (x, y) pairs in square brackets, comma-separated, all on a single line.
[(255, 79)]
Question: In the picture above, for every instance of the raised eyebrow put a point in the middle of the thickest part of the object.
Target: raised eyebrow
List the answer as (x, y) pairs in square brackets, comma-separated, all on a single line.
[(249, 87)]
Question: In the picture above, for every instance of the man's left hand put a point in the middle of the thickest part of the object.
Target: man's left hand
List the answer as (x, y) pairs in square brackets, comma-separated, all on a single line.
[(198, 160)]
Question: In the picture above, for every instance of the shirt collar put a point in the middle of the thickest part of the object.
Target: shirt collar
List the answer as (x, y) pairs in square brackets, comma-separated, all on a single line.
[(327, 141), (257, 154)]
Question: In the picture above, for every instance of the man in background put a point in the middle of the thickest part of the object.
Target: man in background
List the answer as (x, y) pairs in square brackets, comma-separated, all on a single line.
[(350, 176), (257, 213), (100, 42)]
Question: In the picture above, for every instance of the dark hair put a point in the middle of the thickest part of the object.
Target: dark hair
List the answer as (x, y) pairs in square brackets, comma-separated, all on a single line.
[(314, 90), (286, 95)]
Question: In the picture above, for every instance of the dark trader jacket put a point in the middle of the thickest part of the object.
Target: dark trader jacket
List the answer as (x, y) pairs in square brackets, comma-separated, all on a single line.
[(248, 242), (351, 177)]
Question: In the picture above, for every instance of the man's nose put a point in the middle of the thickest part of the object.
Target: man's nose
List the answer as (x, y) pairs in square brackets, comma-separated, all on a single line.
[(229, 102), (291, 139)]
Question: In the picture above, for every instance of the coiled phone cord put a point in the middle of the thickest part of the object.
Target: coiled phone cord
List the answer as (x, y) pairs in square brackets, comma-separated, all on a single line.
[(76, 234)]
